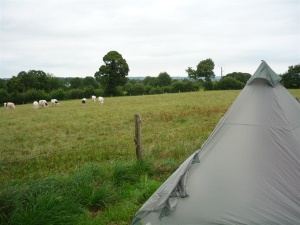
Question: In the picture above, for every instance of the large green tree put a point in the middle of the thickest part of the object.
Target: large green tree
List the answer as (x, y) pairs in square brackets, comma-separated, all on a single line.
[(242, 77), (43, 81), (204, 70), (164, 79), (291, 79), (113, 73), (37, 79)]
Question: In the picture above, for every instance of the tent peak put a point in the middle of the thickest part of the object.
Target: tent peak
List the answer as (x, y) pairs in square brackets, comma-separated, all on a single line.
[(264, 71)]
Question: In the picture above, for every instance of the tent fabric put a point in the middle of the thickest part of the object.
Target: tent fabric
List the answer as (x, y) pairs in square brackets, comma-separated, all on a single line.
[(248, 170), (166, 197), (265, 72)]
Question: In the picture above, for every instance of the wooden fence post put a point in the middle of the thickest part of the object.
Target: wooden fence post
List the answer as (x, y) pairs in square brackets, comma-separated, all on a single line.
[(138, 136)]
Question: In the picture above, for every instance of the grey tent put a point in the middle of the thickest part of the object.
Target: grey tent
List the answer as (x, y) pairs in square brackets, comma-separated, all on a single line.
[(247, 171)]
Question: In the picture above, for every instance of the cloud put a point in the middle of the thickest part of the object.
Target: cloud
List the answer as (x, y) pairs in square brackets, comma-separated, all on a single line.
[(70, 38)]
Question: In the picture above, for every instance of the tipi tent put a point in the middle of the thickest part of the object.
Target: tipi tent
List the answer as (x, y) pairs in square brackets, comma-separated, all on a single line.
[(248, 170)]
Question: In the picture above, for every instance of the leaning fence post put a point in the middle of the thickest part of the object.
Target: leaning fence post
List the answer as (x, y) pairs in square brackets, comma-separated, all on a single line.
[(138, 136)]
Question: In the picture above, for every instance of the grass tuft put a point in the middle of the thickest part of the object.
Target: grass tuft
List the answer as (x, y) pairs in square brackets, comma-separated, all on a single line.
[(49, 207), (130, 172)]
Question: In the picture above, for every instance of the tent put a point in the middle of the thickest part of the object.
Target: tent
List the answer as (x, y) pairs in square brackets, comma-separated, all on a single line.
[(247, 171)]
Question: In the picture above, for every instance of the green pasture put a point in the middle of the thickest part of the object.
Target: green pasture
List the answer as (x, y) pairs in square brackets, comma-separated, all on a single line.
[(74, 164)]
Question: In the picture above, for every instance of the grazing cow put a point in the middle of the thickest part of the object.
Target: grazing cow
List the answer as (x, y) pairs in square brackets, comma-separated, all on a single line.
[(9, 105), (54, 102), (101, 100), (83, 101), (35, 105), (43, 103), (94, 98)]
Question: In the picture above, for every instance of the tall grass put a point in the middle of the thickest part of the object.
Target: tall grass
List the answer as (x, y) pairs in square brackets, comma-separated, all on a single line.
[(76, 164)]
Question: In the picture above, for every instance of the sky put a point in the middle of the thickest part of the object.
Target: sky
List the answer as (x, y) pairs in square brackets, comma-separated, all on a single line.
[(69, 38)]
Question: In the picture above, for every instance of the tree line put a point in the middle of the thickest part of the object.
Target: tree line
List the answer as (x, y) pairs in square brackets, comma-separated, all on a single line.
[(111, 80)]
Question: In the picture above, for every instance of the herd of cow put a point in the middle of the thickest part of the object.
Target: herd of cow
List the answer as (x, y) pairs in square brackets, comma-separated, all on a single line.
[(55, 102)]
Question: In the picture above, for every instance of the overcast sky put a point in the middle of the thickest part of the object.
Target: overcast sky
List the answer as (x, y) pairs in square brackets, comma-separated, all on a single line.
[(69, 38)]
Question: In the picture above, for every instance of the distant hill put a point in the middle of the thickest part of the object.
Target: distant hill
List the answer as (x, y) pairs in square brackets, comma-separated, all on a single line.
[(217, 78), (142, 78)]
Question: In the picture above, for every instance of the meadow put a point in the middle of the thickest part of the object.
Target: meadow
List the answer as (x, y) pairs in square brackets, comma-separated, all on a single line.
[(74, 164)]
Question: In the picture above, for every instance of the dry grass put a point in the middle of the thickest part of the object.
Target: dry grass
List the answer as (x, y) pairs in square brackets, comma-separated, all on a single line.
[(59, 139)]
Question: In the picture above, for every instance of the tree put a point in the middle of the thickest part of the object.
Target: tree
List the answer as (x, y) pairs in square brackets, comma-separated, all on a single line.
[(58, 94), (89, 91), (177, 86), (113, 73), (43, 81), (128, 88), (204, 69), (153, 81), (138, 89), (76, 93), (230, 83), (33, 95), (190, 86), (76, 83), (14, 85), (132, 81), (26, 81), (4, 96), (55, 83), (164, 79), (291, 79), (242, 77), (90, 81), (2, 84), (36, 79), (156, 90)]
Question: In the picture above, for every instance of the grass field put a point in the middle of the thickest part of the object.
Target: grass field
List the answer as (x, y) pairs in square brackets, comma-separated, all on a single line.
[(74, 164)]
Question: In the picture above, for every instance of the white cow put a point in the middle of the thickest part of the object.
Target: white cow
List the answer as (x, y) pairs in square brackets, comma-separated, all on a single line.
[(54, 102), (35, 105), (83, 101), (9, 105), (94, 98), (101, 100), (43, 103)]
